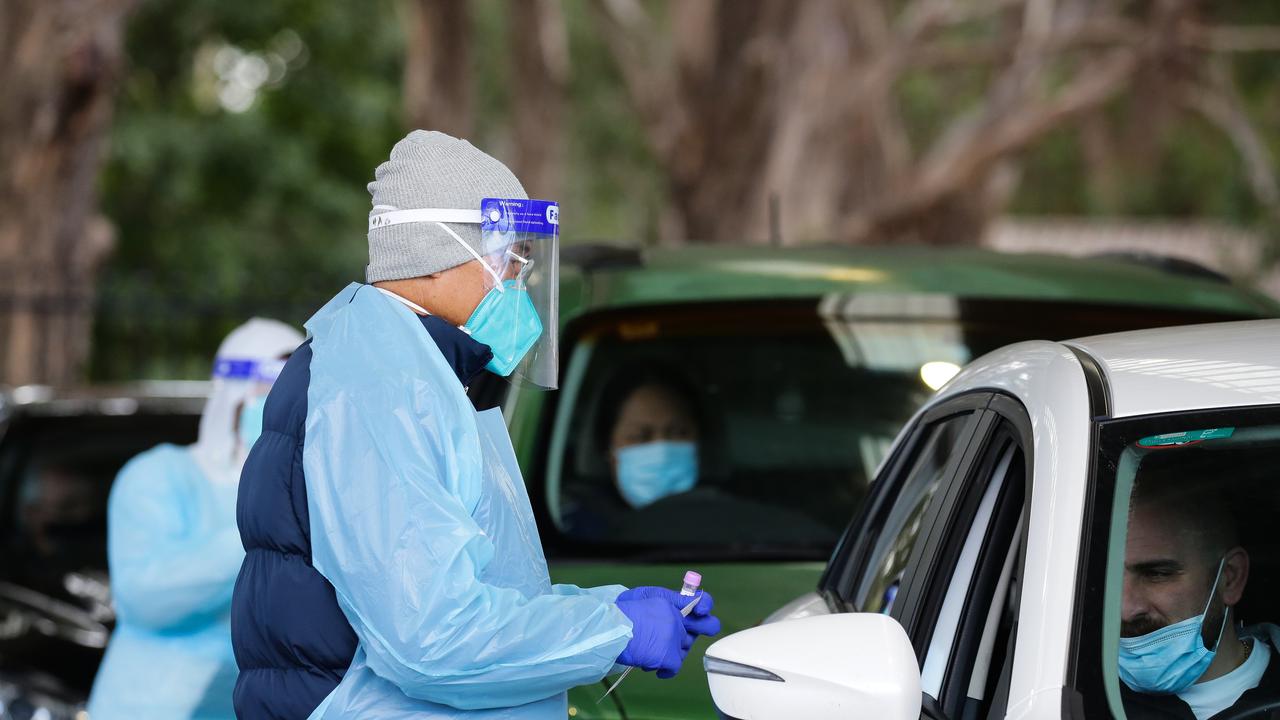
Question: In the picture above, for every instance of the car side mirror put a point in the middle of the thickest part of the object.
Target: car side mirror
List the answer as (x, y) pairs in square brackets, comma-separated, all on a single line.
[(829, 666)]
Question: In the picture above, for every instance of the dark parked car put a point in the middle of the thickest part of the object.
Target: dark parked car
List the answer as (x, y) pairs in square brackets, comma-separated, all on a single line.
[(59, 452)]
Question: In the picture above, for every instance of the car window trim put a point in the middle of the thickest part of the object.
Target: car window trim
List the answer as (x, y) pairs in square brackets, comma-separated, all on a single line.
[(1007, 530), (955, 599), (916, 596), (856, 544), (991, 621), (1013, 412), (1004, 417), (1095, 380)]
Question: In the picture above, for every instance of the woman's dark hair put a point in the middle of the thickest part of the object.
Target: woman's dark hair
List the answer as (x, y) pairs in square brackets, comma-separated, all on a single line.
[(630, 378)]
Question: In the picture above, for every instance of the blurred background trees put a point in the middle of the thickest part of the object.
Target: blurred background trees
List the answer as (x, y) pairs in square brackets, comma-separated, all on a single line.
[(244, 134), (60, 64)]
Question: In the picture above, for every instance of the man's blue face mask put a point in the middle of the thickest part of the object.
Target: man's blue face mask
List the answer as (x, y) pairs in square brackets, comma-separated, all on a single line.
[(651, 471), (507, 321), (1171, 659)]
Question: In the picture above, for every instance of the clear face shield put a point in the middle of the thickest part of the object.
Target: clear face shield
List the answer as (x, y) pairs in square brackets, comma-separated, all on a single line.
[(519, 317), (254, 379)]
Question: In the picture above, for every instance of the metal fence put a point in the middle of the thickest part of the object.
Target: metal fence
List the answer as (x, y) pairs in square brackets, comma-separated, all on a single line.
[(128, 331), (153, 332)]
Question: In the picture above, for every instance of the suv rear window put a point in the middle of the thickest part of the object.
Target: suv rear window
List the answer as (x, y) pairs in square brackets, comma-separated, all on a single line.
[(734, 430)]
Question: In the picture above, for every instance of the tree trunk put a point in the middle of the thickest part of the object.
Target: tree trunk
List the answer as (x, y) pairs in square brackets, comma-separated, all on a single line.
[(437, 78), (540, 72), (60, 64), (783, 114), (766, 115)]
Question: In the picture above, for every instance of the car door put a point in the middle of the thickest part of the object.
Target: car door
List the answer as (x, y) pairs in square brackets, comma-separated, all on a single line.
[(939, 549)]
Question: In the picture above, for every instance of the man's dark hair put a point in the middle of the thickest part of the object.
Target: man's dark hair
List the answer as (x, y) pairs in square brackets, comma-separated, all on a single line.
[(1193, 483)]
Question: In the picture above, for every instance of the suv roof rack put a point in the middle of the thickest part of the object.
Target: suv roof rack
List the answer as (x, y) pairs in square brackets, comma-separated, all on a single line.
[(594, 256), (1165, 263)]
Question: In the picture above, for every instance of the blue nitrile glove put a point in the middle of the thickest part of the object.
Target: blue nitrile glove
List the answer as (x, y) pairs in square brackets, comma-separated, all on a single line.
[(658, 639), (699, 622)]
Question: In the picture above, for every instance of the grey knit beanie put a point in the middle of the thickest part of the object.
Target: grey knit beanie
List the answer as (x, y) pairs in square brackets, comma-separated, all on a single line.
[(435, 171)]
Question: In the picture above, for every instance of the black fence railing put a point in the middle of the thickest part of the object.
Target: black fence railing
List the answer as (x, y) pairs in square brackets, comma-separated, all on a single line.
[(149, 332)]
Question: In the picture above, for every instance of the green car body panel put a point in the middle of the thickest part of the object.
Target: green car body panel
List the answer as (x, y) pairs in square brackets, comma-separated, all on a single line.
[(747, 591)]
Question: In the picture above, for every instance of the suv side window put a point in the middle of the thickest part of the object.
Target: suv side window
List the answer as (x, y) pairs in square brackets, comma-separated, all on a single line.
[(938, 449)]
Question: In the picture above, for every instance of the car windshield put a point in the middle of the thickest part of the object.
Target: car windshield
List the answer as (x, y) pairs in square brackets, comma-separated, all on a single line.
[(1192, 573), (732, 430)]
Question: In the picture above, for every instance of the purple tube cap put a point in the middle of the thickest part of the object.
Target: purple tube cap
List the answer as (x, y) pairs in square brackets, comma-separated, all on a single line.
[(693, 578)]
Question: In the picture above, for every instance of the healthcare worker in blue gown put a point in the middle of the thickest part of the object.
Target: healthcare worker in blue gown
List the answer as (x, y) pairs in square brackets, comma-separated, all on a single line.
[(393, 565), (174, 551)]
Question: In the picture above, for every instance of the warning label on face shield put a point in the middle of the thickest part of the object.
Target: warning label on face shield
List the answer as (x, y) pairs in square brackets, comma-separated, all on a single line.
[(540, 217)]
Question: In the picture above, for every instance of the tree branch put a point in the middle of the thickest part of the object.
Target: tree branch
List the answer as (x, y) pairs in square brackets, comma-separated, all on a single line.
[(650, 77), (1231, 39), (540, 67), (924, 17), (1216, 99), (946, 174), (869, 20), (1097, 33)]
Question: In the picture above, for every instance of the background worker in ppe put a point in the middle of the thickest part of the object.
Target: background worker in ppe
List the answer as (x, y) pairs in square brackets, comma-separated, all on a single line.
[(393, 565), (174, 551)]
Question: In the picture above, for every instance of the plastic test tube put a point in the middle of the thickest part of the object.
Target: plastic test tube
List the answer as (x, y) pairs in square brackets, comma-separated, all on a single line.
[(692, 581)]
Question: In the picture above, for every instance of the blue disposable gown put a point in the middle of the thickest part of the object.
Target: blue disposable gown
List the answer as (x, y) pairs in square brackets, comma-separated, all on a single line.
[(174, 553), (421, 521)]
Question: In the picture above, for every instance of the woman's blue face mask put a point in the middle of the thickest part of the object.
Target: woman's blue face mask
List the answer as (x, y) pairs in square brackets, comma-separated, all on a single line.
[(651, 471), (1171, 659), (250, 427)]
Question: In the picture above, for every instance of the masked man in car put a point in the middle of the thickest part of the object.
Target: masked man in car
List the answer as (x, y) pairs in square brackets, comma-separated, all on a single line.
[(1183, 651)]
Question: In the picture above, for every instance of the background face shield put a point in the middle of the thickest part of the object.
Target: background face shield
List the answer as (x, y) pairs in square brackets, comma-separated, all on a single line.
[(521, 241)]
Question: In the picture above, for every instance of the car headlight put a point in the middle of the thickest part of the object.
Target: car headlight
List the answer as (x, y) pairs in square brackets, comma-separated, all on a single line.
[(18, 702)]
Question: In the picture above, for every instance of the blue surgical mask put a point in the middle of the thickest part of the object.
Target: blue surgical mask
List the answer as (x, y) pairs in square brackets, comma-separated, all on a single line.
[(651, 471), (1171, 659), (251, 420), (507, 321)]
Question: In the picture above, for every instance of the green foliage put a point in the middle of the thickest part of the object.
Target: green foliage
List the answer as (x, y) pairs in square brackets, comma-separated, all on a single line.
[(614, 187), (232, 202), (223, 215)]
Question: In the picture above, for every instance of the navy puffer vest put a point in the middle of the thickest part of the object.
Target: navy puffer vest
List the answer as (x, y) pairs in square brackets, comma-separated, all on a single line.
[(292, 642)]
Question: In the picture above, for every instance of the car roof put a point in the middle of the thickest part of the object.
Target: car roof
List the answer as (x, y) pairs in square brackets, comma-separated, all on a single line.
[(711, 272), (1189, 368), (163, 397), (1145, 372)]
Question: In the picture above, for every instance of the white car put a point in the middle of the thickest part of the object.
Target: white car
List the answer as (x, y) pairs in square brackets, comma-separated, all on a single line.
[(984, 576)]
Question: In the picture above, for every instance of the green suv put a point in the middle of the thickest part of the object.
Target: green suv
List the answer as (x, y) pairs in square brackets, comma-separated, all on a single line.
[(791, 370)]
